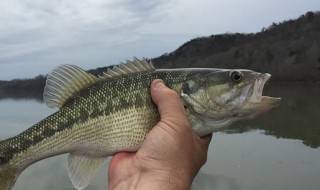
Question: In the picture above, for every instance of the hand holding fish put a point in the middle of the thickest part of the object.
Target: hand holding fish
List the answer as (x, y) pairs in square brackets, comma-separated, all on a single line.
[(171, 154)]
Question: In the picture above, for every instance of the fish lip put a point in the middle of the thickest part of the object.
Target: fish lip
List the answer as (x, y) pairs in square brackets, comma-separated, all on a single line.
[(272, 101)]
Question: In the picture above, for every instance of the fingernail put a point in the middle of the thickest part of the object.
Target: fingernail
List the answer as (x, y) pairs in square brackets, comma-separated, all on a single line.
[(159, 84)]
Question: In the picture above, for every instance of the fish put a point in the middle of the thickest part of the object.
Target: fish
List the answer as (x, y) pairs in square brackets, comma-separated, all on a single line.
[(99, 116)]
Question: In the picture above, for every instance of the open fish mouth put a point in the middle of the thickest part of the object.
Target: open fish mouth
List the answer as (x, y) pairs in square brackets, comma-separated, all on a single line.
[(257, 97)]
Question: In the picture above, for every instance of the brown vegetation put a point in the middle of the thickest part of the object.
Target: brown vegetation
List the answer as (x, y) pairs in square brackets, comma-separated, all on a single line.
[(290, 51)]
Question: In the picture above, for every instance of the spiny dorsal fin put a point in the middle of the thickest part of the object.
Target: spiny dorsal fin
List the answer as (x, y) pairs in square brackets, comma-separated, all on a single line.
[(130, 67), (65, 81)]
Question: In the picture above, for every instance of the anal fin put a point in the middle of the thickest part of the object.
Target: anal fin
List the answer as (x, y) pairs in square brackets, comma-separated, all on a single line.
[(82, 169)]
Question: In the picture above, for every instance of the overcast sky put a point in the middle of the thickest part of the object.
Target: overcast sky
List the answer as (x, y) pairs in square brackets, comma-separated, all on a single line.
[(38, 35)]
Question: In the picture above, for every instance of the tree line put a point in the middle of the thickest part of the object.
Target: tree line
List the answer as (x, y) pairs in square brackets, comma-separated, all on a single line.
[(289, 50)]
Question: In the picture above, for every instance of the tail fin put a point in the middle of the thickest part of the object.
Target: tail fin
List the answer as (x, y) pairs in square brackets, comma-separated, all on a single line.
[(7, 180)]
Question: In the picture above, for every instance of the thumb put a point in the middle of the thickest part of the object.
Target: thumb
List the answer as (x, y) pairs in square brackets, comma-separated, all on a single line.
[(169, 104)]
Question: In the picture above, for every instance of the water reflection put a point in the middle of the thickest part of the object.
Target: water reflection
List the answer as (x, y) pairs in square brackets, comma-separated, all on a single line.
[(15, 94), (253, 160), (210, 181), (255, 154)]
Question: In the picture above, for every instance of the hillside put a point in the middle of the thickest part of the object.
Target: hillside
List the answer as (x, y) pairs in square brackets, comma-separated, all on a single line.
[(290, 51)]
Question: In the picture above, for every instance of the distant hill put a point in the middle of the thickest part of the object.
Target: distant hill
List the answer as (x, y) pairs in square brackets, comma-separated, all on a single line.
[(37, 82), (23, 88), (290, 51)]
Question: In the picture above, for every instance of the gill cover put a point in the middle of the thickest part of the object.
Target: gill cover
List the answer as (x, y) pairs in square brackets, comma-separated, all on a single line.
[(216, 93), (199, 94)]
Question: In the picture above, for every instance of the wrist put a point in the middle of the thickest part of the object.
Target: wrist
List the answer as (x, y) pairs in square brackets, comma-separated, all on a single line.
[(156, 180)]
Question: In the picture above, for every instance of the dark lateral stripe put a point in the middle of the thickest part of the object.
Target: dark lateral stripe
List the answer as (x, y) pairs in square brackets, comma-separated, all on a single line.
[(112, 96)]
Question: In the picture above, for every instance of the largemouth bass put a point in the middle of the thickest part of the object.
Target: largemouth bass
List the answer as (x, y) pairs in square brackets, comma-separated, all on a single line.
[(100, 116)]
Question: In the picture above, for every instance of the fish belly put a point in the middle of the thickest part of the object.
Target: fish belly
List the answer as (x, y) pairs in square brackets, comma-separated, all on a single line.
[(124, 130)]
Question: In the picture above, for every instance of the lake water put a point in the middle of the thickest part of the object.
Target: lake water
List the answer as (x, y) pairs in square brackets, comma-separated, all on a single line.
[(277, 151)]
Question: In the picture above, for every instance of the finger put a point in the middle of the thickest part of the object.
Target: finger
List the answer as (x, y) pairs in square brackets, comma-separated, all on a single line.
[(169, 103)]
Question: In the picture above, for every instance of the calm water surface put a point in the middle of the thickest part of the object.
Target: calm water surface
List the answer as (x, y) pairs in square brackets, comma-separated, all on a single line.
[(279, 150)]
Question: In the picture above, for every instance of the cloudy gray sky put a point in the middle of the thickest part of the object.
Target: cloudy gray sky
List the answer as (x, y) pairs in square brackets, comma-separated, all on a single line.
[(37, 35)]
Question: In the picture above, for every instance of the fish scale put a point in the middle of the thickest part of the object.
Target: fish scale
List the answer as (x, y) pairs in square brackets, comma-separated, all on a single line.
[(125, 113), (109, 114)]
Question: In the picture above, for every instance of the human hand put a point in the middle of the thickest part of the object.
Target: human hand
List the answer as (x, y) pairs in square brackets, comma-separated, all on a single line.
[(171, 155)]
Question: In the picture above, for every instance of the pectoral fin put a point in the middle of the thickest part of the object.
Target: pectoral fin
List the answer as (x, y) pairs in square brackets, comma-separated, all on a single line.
[(82, 169)]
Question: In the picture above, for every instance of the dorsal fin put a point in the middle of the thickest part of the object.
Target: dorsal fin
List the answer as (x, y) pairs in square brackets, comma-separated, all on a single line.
[(130, 67), (65, 81)]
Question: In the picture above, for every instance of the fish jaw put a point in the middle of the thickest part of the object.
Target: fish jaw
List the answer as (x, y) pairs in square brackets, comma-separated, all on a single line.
[(257, 103), (258, 87), (257, 96)]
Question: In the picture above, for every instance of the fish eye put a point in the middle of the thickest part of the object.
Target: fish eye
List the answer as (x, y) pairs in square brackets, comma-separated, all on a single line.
[(236, 76)]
